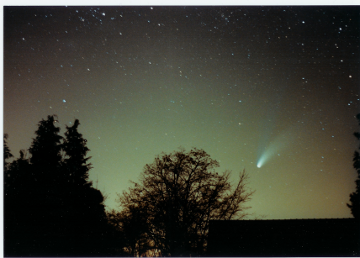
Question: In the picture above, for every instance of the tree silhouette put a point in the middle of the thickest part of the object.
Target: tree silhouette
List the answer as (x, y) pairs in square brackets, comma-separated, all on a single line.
[(355, 196), (46, 146), (7, 152), (8, 178), (64, 215), (15, 185), (75, 148), (132, 224), (88, 232), (176, 198), (33, 199)]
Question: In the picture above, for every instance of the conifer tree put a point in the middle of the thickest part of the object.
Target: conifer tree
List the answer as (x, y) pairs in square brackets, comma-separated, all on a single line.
[(7, 174), (17, 189), (7, 152), (65, 214), (75, 149), (91, 234), (355, 196), (46, 146), (45, 197)]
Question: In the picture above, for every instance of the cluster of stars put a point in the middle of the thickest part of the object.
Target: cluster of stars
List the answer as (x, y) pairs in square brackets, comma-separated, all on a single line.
[(193, 76)]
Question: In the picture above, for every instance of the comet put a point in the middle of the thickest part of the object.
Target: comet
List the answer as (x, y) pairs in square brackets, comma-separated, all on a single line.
[(273, 139), (266, 156), (261, 161), (273, 149)]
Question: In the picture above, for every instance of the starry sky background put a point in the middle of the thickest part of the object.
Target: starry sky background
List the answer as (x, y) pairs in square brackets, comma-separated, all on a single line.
[(242, 83)]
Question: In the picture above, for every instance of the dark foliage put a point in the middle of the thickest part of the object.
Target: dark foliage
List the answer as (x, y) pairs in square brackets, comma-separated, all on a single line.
[(170, 209), (355, 196), (7, 152), (51, 209)]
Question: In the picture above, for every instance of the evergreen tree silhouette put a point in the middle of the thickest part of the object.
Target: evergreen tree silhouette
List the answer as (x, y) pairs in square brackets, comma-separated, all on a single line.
[(90, 232), (355, 196), (64, 215), (16, 203), (46, 199), (7, 152), (30, 195), (75, 149)]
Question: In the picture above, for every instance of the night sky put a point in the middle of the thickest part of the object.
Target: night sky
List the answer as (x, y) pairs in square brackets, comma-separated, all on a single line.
[(274, 90)]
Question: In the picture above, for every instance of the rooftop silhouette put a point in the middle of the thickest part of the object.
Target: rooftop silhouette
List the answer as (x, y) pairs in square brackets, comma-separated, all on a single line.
[(293, 237)]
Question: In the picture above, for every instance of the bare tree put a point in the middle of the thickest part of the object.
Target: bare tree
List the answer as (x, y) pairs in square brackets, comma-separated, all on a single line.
[(177, 196)]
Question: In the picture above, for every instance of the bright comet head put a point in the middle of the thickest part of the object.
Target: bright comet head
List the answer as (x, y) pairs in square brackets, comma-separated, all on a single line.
[(261, 160)]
